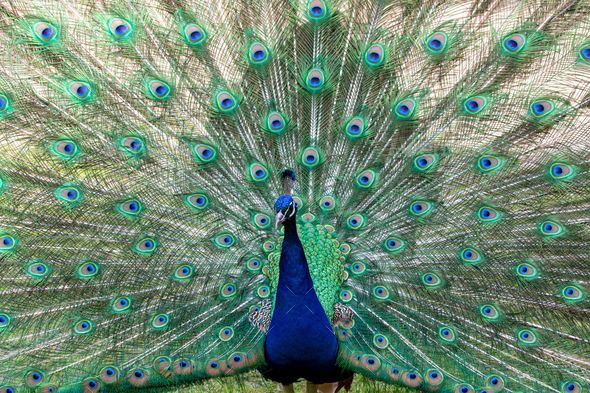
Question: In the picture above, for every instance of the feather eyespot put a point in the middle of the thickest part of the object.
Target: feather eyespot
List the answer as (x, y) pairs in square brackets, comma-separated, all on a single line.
[(138, 377), (8, 243), (254, 265), (490, 164), (110, 374), (355, 128), (447, 334), (160, 321), (257, 173), (394, 245), (120, 29), (432, 280), (375, 55), (121, 304), (228, 290), (5, 321), (275, 123), (158, 90), (315, 80), (7, 389), (226, 102), (194, 34), (421, 208), (436, 43), (258, 54), (366, 179), (70, 195), (358, 268), (146, 246), (65, 149), (327, 203), (184, 272), (345, 295), (541, 108), (425, 162), (411, 378), (584, 53), (37, 269), (317, 10), (223, 240), (551, 229), (355, 221), (226, 333), (571, 387), (45, 32), (463, 388), (490, 312), (204, 153), (34, 378), (561, 171), (572, 293), (513, 44), (311, 157), (404, 110), (527, 271), (84, 326), (380, 341), (474, 105), (380, 292), (434, 378)]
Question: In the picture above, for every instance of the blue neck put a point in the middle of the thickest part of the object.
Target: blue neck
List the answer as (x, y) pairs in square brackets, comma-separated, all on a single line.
[(293, 270), (300, 340)]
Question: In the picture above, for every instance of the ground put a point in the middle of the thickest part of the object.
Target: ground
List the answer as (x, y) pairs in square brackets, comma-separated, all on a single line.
[(254, 383)]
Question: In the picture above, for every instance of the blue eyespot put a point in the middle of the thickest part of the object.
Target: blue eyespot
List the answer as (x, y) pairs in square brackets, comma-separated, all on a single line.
[(435, 44), (316, 12), (227, 103), (585, 53), (538, 108)]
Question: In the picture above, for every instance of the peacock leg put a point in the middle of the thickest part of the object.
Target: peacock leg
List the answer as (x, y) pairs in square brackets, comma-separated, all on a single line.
[(288, 388), (327, 387)]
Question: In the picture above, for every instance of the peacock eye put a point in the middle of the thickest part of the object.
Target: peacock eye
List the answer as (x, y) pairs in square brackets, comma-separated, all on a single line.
[(45, 32), (490, 164), (311, 157), (317, 10), (315, 80), (84, 326), (146, 246), (489, 312), (571, 387), (257, 173), (258, 53), (121, 304), (573, 293), (204, 153), (561, 171), (228, 290), (475, 105), (551, 229), (436, 43), (394, 244), (404, 110), (226, 333), (81, 91), (160, 321), (375, 55), (158, 89), (224, 240), (425, 162), (226, 102), (5, 321), (120, 29), (355, 128), (194, 34), (421, 208), (541, 108), (514, 43), (65, 149), (275, 123), (470, 256), (366, 179)]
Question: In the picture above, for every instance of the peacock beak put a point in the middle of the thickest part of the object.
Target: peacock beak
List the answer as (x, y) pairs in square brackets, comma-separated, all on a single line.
[(279, 219)]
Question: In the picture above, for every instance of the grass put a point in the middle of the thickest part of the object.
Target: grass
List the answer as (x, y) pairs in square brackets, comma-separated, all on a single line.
[(253, 383)]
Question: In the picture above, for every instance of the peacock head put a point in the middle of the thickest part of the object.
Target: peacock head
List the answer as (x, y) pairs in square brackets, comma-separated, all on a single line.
[(285, 209), (285, 205)]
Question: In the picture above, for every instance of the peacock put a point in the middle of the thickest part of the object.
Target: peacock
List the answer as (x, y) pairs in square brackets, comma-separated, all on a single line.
[(308, 188)]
